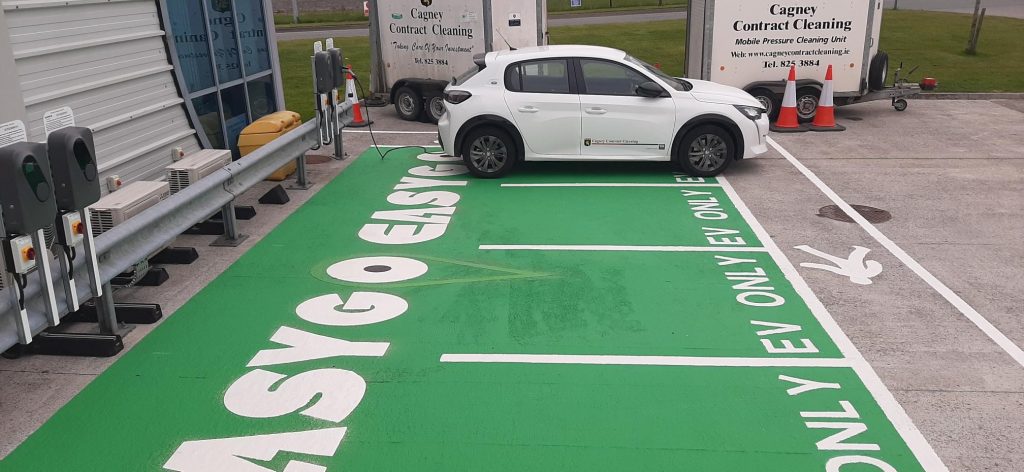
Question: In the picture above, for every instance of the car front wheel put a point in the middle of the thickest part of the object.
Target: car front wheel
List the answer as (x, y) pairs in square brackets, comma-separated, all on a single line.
[(489, 152), (705, 151)]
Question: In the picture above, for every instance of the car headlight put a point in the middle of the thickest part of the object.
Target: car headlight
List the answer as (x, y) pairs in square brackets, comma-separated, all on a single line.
[(754, 113)]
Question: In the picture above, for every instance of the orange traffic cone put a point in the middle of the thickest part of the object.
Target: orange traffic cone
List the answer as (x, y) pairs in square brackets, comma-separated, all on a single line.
[(357, 110), (788, 121), (825, 117)]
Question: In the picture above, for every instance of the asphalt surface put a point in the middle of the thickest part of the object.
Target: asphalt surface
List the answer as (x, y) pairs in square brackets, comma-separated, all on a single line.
[(1010, 8), (954, 196)]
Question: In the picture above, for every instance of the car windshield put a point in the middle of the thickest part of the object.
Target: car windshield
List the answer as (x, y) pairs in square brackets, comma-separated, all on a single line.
[(678, 84)]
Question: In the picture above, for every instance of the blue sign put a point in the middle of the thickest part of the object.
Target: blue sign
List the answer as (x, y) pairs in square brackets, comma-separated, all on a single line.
[(575, 3)]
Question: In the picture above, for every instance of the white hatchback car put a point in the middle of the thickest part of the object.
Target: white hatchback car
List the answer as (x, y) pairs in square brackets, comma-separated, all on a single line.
[(555, 103)]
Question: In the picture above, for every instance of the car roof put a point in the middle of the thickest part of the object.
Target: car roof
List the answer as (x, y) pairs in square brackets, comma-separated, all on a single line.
[(561, 50)]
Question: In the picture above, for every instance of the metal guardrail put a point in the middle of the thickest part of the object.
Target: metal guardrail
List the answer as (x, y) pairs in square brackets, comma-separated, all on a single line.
[(155, 228)]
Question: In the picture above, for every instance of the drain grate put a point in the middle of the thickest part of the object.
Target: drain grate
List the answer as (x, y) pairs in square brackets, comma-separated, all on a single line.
[(872, 214)]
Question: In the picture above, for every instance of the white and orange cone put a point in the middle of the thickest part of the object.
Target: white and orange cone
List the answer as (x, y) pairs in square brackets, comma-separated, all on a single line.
[(825, 117), (358, 120), (788, 121)]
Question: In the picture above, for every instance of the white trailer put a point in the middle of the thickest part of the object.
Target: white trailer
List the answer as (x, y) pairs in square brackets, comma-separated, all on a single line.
[(751, 44), (418, 46)]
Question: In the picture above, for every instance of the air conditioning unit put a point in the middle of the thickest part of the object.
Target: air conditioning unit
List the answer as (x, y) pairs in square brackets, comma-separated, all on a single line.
[(131, 200), (195, 166)]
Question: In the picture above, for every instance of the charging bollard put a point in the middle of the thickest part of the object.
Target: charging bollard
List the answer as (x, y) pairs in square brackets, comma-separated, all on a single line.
[(73, 163), (28, 206)]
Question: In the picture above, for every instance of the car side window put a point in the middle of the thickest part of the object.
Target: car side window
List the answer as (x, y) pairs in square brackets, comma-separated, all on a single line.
[(609, 78), (542, 76)]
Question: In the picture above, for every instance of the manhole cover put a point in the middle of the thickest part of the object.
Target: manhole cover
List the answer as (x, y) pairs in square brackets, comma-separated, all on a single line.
[(872, 214)]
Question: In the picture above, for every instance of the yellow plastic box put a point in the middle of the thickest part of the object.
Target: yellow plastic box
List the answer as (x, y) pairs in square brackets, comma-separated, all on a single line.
[(265, 130)]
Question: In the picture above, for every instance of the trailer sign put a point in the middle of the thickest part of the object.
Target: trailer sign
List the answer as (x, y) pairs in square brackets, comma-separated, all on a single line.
[(753, 38), (435, 39)]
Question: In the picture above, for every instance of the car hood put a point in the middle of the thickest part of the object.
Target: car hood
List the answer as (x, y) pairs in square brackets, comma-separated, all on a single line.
[(711, 92)]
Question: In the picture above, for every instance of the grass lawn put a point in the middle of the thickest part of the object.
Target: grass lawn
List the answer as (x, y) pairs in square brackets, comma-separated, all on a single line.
[(349, 17), (935, 41)]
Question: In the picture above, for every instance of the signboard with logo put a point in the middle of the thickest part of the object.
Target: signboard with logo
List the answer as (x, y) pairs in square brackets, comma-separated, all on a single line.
[(433, 39), (437, 39), (750, 41)]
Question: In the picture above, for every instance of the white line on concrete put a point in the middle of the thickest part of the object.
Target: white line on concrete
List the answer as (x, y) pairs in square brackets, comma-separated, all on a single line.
[(643, 360), (387, 132), (586, 247), (968, 311), (599, 184), (923, 451)]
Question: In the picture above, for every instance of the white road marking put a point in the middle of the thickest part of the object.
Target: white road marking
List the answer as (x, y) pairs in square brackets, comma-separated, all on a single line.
[(346, 130), (603, 185), (644, 360), (923, 451), (859, 270), (586, 247), (968, 311)]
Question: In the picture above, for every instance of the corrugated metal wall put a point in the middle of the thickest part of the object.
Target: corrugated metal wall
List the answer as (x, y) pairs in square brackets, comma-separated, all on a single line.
[(106, 59)]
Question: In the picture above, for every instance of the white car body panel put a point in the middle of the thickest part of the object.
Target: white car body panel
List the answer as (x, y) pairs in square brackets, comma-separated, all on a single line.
[(552, 131), (549, 123)]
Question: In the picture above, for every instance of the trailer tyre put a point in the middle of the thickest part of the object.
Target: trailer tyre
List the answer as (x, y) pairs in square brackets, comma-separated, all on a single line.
[(807, 103), (705, 151), (879, 71), (408, 104), (899, 104), (769, 100), (434, 107)]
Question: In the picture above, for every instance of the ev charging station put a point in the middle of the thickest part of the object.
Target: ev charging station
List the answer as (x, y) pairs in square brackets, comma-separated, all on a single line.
[(73, 163), (28, 206), (331, 111)]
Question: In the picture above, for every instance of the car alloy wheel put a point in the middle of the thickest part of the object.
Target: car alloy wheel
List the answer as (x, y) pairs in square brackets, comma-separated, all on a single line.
[(488, 154), (708, 152)]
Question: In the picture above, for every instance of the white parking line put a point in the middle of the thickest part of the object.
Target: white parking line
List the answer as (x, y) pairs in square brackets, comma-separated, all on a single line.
[(609, 184), (643, 360), (923, 451), (586, 247), (966, 309)]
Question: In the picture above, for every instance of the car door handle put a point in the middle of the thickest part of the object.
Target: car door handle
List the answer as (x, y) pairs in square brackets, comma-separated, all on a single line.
[(529, 109), (596, 111)]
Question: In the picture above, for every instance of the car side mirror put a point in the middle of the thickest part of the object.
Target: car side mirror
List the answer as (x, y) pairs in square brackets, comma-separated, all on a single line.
[(649, 90)]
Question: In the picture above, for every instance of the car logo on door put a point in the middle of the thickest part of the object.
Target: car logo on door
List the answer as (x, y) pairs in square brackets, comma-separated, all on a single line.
[(586, 142), (426, 3)]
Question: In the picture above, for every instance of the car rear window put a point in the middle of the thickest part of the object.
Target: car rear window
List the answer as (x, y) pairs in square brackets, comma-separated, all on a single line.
[(541, 76)]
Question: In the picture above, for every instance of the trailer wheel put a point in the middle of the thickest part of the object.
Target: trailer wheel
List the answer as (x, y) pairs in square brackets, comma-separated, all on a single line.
[(899, 104), (434, 107), (879, 71), (769, 100), (408, 104), (807, 103)]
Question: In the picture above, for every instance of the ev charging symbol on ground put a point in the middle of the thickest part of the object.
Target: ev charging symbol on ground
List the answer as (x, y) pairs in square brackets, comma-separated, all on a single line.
[(859, 270)]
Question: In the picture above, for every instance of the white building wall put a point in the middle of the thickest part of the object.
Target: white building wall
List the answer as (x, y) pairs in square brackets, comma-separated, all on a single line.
[(107, 61)]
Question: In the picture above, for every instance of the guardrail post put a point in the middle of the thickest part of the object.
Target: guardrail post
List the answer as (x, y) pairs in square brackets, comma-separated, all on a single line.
[(231, 237), (301, 179)]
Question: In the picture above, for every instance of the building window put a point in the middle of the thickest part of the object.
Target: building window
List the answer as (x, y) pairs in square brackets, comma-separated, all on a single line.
[(224, 62)]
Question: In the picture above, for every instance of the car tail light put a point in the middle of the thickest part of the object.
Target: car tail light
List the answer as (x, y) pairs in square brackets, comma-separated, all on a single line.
[(456, 97)]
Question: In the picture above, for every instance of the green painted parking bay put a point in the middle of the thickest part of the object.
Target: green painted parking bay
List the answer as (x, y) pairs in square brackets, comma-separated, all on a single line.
[(411, 317)]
